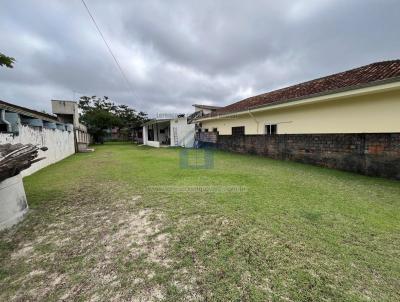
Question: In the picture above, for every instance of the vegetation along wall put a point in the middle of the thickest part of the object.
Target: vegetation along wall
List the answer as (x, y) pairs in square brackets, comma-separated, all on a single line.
[(365, 153)]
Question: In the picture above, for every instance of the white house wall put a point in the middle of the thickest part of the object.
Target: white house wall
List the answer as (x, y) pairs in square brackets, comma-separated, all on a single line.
[(155, 144), (185, 133), (60, 144), (157, 135)]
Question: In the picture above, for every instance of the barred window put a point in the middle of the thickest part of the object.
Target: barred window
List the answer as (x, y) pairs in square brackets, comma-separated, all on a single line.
[(271, 129), (237, 131)]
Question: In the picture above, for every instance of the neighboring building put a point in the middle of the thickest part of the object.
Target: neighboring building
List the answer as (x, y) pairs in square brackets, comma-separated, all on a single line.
[(61, 133), (361, 100), (349, 121), (168, 132), (200, 111), (205, 109), (137, 135), (117, 134), (26, 126), (67, 112)]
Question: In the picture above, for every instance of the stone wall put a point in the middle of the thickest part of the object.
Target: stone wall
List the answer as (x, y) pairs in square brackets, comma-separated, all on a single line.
[(207, 137), (370, 154), (60, 144)]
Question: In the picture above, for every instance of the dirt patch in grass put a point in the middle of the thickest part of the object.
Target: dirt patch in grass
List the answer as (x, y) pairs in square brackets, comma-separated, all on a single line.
[(91, 247)]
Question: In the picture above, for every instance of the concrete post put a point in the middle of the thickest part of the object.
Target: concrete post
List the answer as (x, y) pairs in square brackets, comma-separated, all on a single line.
[(13, 204)]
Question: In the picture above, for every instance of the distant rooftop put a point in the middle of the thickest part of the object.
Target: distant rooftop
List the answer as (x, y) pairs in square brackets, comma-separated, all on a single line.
[(210, 107)]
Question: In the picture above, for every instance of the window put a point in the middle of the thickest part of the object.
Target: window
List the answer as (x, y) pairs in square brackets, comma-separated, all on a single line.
[(3, 128), (236, 131), (271, 129), (215, 129), (206, 130)]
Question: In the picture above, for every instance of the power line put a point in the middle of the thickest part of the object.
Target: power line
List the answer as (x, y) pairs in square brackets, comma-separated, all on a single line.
[(108, 46)]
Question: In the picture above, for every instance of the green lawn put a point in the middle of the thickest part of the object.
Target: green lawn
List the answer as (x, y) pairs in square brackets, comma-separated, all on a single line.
[(98, 230)]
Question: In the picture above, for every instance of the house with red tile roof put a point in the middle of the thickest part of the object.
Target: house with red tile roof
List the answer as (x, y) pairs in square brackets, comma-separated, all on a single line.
[(360, 100)]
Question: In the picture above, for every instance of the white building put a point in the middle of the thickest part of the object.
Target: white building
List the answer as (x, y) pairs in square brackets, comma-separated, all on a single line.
[(174, 132)]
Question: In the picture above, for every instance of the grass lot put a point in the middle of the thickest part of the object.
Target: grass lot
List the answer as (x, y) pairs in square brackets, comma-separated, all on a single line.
[(97, 231)]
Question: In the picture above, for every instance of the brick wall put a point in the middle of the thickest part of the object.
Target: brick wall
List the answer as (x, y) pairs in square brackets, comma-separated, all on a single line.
[(369, 154), (207, 137)]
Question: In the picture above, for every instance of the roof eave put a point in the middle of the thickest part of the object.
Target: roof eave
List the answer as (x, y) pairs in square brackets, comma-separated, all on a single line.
[(211, 107), (27, 112), (377, 86), (155, 121)]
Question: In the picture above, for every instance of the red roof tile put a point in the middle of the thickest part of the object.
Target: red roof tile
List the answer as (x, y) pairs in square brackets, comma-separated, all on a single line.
[(347, 80)]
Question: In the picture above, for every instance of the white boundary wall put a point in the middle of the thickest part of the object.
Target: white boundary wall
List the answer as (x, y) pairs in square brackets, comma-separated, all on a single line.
[(60, 144)]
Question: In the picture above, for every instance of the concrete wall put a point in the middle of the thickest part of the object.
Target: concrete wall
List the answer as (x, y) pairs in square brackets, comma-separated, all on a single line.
[(66, 108), (375, 154), (60, 144), (155, 144), (370, 113), (68, 112), (185, 132), (13, 204)]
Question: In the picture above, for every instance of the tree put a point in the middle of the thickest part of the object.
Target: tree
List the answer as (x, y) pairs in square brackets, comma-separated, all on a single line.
[(129, 117), (129, 120), (6, 61), (101, 114)]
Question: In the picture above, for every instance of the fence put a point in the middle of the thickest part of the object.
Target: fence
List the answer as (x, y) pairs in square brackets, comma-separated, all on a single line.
[(374, 154)]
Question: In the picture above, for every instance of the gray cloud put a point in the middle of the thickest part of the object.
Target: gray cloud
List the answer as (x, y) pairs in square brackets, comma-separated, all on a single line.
[(176, 53)]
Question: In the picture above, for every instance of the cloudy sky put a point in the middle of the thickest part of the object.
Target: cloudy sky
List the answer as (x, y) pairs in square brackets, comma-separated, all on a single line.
[(177, 53)]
